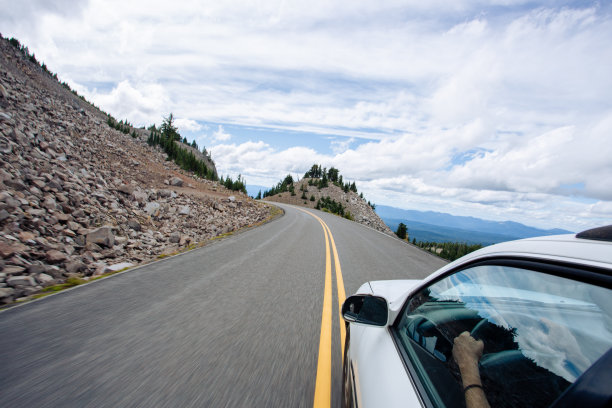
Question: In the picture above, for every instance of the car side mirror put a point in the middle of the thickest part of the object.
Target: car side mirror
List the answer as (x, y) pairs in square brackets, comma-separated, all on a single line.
[(366, 309)]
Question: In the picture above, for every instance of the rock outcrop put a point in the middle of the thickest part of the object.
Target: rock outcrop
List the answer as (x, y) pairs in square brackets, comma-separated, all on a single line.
[(79, 199)]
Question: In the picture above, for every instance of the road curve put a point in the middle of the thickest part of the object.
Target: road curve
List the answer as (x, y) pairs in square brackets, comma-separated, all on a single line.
[(233, 324)]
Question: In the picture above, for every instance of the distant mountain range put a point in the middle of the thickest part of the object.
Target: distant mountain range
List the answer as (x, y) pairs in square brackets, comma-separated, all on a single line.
[(442, 227)]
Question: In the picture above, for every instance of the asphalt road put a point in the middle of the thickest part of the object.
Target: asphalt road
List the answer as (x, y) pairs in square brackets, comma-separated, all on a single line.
[(234, 324)]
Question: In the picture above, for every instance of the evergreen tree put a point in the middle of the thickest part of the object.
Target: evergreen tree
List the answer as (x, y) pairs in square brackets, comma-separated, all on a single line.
[(401, 230), (332, 174), (168, 129)]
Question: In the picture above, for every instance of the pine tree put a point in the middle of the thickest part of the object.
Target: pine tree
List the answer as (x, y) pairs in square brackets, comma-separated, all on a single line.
[(401, 230)]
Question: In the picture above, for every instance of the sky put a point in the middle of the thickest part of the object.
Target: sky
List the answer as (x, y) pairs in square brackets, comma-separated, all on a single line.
[(497, 109)]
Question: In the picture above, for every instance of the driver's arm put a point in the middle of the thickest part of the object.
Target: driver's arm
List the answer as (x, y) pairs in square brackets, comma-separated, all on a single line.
[(467, 352)]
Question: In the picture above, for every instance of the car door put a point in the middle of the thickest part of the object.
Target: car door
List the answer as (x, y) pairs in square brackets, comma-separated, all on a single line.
[(541, 326)]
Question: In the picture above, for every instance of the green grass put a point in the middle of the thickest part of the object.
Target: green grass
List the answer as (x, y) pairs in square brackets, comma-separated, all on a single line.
[(70, 282)]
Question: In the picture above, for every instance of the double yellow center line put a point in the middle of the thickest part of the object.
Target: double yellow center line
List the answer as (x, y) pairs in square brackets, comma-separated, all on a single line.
[(322, 396)]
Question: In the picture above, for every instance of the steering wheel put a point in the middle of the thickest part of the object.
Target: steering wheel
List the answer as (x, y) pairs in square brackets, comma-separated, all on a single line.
[(477, 330)]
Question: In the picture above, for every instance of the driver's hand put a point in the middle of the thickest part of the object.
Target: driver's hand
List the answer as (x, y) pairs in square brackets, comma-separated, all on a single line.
[(466, 349)]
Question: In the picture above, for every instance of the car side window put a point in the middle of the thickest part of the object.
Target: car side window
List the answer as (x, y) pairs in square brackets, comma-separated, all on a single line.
[(540, 332)]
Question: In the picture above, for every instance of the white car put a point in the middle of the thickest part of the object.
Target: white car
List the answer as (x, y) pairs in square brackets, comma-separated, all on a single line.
[(525, 323)]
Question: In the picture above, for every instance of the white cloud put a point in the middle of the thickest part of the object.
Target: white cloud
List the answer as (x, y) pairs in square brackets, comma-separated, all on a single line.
[(141, 105), (342, 145), (220, 135), (189, 125), (499, 109)]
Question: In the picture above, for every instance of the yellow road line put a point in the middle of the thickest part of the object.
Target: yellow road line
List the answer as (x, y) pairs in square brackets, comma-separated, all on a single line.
[(323, 381), (322, 397), (340, 289)]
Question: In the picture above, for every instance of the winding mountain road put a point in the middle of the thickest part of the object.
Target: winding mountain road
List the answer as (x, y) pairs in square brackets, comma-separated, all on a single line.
[(242, 322)]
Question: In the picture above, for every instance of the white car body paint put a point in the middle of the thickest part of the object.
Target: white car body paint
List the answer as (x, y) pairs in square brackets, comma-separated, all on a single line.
[(381, 379), (380, 367)]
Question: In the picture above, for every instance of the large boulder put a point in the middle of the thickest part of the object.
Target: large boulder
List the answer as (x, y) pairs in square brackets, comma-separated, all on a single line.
[(21, 280), (55, 256), (176, 182), (101, 236)]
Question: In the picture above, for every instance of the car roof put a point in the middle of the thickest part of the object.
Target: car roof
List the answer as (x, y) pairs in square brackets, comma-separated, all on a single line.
[(562, 248)]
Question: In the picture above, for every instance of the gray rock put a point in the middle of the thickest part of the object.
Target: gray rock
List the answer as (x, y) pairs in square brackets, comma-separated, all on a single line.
[(90, 246), (4, 215), (175, 237), (152, 209), (126, 189), (100, 268), (135, 225), (36, 269), (13, 269), (37, 212), (11, 203), (101, 236), (21, 280), (15, 184), (164, 193), (5, 147), (6, 293), (118, 267), (140, 196), (185, 210), (176, 181), (75, 266), (54, 185), (63, 218), (50, 203), (55, 256), (55, 272), (45, 279)]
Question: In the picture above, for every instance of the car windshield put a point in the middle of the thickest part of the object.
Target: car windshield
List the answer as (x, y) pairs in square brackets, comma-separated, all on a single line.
[(540, 333)]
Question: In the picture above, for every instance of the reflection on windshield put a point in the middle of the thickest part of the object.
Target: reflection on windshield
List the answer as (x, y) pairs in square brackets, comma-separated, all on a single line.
[(540, 333), (550, 315)]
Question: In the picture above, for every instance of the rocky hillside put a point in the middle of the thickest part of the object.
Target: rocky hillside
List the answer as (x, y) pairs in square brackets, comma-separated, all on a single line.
[(360, 211), (79, 199)]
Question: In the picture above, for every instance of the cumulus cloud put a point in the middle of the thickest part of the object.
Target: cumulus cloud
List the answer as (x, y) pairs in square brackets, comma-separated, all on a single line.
[(496, 108), (189, 125), (142, 104)]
